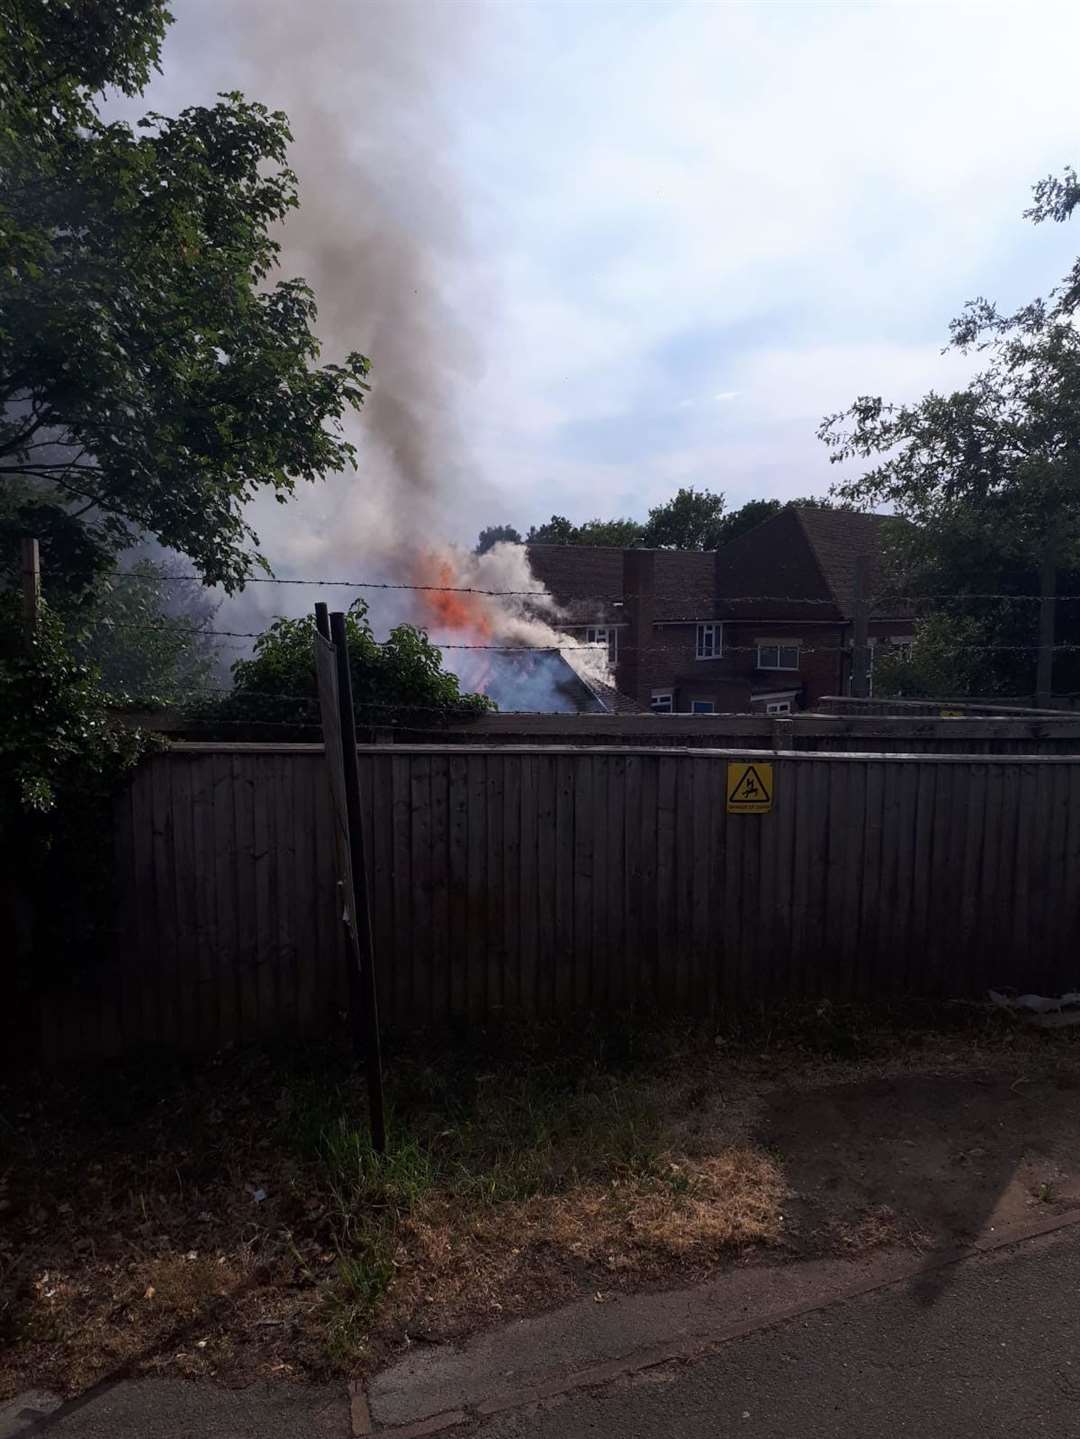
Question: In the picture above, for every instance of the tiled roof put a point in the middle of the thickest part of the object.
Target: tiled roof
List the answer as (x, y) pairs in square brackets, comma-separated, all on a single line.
[(615, 701), (806, 557), (586, 580), (774, 559), (837, 538)]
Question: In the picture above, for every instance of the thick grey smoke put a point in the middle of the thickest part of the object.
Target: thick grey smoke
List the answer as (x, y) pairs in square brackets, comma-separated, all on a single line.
[(381, 235)]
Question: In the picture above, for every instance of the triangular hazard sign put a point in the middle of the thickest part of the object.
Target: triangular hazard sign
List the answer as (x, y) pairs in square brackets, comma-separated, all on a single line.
[(749, 788)]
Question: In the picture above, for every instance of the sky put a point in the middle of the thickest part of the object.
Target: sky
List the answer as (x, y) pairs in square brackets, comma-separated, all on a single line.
[(597, 251)]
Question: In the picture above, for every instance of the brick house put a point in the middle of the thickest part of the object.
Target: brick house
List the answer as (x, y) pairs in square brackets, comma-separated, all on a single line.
[(764, 624)]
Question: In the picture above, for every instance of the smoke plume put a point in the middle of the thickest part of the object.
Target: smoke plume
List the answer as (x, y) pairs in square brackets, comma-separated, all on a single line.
[(382, 236)]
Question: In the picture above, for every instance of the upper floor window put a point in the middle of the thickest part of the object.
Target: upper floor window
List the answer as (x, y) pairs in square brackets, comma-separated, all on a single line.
[(777, 655), (709, 642), (702, 707), (604, 635), (662, 702)]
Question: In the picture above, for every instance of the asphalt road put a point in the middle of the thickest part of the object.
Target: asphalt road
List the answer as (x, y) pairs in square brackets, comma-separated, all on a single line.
[(995, 1351)]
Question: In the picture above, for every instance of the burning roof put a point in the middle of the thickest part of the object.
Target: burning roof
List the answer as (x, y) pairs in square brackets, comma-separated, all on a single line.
[(488, 613)]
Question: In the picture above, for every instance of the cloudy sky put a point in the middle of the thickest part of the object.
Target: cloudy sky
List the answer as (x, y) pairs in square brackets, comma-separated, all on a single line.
[(599, 250)]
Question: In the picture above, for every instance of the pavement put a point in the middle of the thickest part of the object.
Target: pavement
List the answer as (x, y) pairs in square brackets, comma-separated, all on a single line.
[(985, 1342)]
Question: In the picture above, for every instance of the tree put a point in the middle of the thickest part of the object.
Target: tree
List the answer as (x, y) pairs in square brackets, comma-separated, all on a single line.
[(690, 520), (620, 534), (496, 535), (152, 378), (148, 632), (992, 469), (393, 682)]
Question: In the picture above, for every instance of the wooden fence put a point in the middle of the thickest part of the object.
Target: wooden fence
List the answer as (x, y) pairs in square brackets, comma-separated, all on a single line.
[(546, 881)]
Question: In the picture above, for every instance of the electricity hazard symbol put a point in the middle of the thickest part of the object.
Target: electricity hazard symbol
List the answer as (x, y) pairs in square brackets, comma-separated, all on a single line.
[(749, 787)]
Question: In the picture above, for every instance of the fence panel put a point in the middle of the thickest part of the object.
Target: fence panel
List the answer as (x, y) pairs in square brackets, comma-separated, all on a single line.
[(537, 881)]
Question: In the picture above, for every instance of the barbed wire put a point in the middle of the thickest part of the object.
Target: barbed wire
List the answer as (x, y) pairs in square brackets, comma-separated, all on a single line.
[(885, 597), (601, 645)]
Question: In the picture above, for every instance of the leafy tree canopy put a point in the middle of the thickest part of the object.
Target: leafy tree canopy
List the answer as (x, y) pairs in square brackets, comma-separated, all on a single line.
[(622, 534), (395, 681), (496, 535), (153, 378), (989, 473), (690, 520)]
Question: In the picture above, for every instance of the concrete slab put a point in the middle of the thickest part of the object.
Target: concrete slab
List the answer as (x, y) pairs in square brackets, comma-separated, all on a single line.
[(168, 1408), (18, 1414)]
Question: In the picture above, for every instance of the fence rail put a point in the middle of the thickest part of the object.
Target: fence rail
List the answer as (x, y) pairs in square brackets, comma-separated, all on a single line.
[(546, 881)]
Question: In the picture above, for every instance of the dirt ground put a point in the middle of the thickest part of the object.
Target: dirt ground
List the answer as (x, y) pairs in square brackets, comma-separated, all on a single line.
[(228, 1220)]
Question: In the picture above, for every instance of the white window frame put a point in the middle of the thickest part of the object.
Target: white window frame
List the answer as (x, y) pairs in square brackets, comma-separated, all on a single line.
[(702, 707), (709, 641), (666, 705), (778, 707), (604, 635), (778, 646)]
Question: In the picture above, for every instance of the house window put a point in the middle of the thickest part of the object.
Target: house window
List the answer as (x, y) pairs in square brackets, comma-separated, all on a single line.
[(702, 707), (662, 702), (777, 655), (709, 642), (778, 707), (604, 635)]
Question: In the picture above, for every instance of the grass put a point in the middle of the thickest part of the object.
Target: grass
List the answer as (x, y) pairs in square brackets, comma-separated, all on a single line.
[(524, 1167)]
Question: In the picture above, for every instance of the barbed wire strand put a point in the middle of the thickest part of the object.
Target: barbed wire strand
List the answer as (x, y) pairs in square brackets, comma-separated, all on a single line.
[(606, 597)]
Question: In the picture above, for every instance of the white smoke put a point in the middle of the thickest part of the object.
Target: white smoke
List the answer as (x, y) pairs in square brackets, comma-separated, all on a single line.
[(510, 606)]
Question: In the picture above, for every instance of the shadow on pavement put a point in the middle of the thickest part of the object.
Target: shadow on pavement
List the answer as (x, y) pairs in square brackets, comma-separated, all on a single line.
[(935, 1161)]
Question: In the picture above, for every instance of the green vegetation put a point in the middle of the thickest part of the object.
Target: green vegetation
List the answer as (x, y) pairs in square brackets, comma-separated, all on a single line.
[(392, 680), (691, 520), (989, 476)]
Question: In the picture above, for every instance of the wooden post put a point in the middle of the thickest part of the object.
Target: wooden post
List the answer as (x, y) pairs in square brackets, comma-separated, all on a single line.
[(860, 654), (1044, 673), (362, 907), (30, 555)]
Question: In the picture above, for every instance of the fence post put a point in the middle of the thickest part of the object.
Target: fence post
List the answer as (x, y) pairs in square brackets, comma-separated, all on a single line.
[(30, 564), (1044, 675), (361, 903), (860, 655)]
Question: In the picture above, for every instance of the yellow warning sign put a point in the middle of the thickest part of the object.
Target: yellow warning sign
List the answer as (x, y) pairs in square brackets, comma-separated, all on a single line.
[(749, 787)]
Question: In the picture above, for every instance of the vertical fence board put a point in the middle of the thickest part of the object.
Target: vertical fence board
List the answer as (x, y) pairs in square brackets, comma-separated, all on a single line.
[(495, 884), (266, 961), (547, 956), (221, 858), (406, 887), (511, 888), (184, 906), (584, 789), (441, 990), (633, 986), (666, 937), (459, 884), (531, 949), (284, 879), (421, 867), (476, 867), (615, 956)]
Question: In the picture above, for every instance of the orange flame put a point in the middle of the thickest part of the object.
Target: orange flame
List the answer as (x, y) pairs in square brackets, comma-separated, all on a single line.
[(445, 609)]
